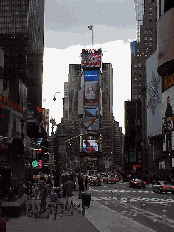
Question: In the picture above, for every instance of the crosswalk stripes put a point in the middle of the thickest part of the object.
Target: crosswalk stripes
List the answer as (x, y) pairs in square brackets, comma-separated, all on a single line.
[(134, 199)]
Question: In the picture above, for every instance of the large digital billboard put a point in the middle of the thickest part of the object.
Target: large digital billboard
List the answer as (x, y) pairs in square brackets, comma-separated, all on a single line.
[(168, 119), (90, 146), (91, 119), (90, 90), (91, 93), (91, 58), (91, 75)]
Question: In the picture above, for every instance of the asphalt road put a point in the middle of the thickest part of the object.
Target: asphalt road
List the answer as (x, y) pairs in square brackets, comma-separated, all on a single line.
[(114, 196)]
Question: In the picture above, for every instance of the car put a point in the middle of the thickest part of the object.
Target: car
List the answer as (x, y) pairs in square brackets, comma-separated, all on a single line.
[(162, 186), (111, 179), (94, 180), (137, 183), (105, 178)]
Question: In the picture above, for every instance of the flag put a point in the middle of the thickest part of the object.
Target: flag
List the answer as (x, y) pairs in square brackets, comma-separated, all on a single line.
[(90, 27)]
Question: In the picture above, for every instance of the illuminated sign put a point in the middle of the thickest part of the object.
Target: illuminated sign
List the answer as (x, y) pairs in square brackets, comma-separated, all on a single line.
[(91, 75), (90, 146), (91, 119), (91, 93), (168, 81), (36, 163), (91, 58)]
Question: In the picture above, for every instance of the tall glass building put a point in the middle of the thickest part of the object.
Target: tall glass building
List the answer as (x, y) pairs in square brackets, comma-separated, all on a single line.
[(22, 39)]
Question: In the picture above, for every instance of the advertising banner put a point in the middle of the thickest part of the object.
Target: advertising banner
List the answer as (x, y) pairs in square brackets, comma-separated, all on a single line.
[(91, 75), (91, 119), (132, 156), (91, 58), (91, 93), (90, 90), (90, 146), (168, 119)]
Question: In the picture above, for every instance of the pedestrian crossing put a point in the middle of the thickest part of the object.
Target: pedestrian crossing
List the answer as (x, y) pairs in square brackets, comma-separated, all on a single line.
[(134, 199), (121, 191)]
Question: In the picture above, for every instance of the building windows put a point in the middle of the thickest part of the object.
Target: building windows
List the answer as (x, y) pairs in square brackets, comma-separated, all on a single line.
[(145, 38), (135, 65), (138, 50), (150, 20), (145, 32), (139, 65)]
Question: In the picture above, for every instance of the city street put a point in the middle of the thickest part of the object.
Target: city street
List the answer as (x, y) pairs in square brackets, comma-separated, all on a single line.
[(114, 196)]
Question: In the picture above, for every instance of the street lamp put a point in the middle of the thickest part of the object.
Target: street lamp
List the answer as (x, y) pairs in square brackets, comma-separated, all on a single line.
[(54, 98)]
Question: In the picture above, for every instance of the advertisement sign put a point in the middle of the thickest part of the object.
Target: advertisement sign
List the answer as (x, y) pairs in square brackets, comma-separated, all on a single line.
[(90, 146), (162, 164), (91, 90), (91, 75), (132, 156), (91, 119), (91, 93), (91, 58), (154, 97), (168, 119)]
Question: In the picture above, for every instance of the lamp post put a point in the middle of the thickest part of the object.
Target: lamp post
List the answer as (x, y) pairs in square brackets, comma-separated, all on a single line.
[(54, 98)]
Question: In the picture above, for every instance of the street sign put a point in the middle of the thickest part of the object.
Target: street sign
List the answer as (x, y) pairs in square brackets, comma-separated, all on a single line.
[(51, 158)]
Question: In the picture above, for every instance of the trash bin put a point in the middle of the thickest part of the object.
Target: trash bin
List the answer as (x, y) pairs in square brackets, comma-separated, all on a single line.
[(86, 198)]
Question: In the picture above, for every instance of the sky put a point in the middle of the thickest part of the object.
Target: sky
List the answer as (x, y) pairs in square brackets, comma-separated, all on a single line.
[(66, 34)]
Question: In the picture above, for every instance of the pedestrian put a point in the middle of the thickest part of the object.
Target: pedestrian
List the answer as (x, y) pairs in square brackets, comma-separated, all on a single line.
[(86, 182), (81, 186), (69, 187)]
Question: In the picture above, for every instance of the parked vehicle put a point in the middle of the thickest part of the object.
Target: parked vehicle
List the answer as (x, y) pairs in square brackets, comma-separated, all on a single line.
[(137, 183), (163, 186), (95, 180), (111, 179), (105, 178)]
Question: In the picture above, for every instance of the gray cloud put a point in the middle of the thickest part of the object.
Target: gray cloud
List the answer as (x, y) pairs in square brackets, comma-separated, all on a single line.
[(112, 19)]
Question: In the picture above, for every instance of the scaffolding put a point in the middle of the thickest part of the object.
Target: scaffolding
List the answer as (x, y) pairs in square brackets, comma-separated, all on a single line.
[(139, 12)]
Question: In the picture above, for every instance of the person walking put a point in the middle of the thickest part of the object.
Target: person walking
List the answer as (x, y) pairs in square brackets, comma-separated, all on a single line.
[(69, 187), (81, 186), (86, 182)]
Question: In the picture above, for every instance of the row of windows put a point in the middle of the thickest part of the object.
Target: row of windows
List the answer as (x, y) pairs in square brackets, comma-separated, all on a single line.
[(136, 96), (135, 65)]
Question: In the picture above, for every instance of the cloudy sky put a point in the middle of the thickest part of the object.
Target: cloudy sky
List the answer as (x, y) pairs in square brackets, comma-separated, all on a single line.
[(66, 34)]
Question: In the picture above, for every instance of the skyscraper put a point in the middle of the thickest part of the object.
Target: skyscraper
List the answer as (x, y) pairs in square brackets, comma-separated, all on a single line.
[(141, 50), (22, 39)]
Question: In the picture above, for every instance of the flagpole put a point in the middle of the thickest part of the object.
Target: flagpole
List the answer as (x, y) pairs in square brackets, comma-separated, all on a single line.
[(92, 36)]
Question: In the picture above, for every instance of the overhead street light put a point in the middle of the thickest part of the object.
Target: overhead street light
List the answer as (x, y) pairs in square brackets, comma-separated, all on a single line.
[(54, 96)]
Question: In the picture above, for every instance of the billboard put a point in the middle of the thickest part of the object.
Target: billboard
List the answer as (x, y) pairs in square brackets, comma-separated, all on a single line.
[(90, 146), (154, 97), (91, 58), (91, 93), (168, 119), (91, 75), (91, 90), (91, 119)]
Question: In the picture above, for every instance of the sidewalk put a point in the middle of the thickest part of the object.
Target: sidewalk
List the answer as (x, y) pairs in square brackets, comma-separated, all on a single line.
[(64, 223), (98, 218)]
